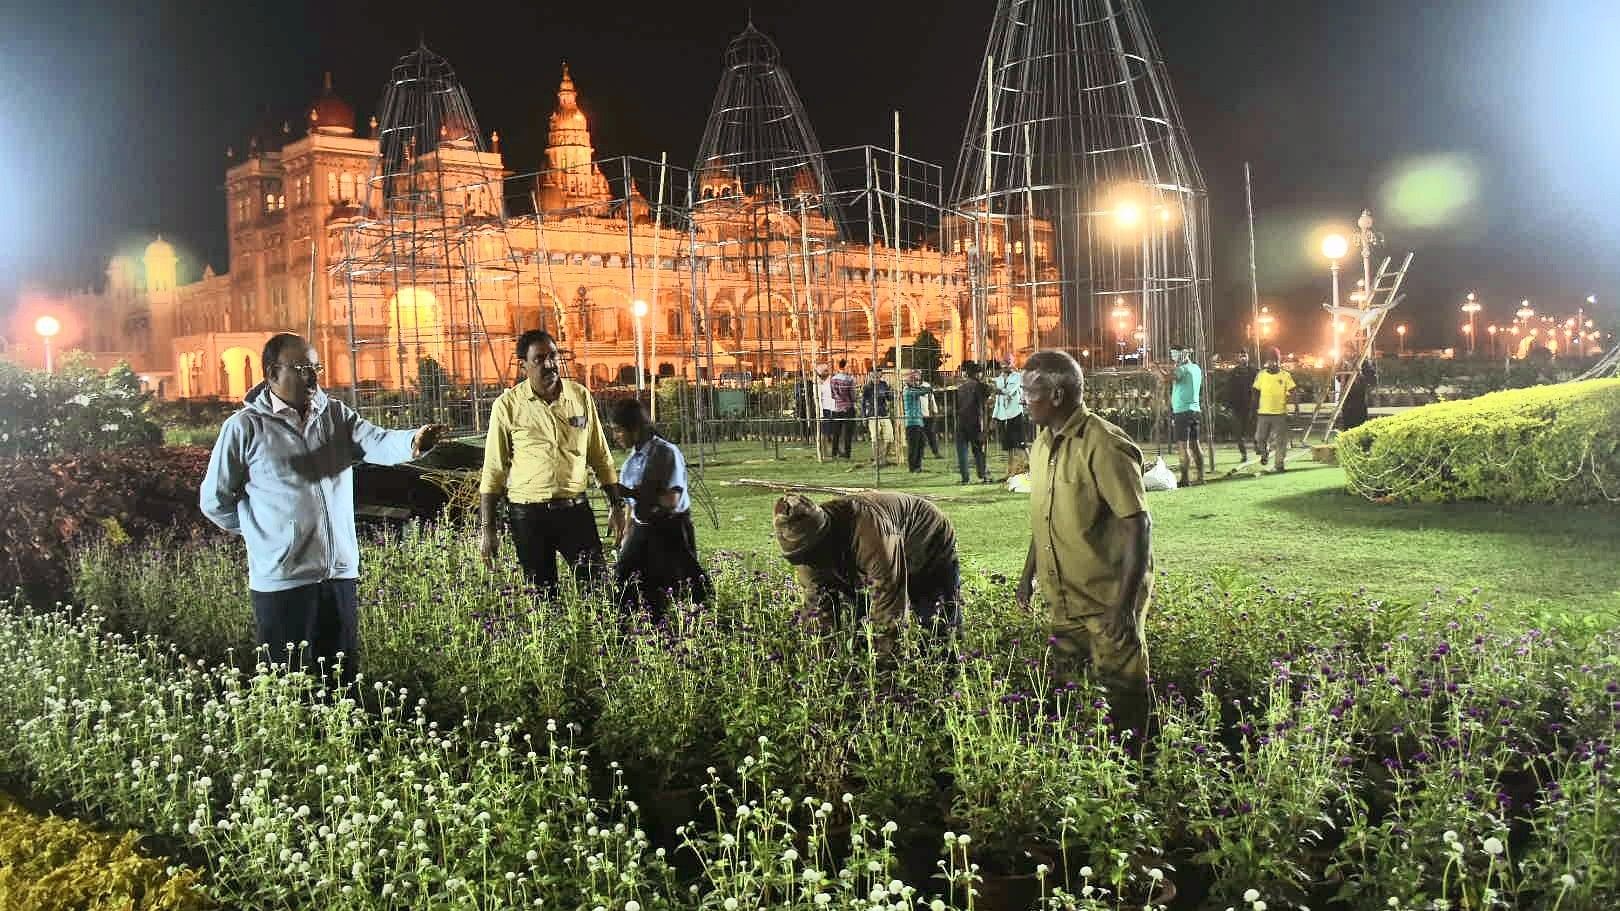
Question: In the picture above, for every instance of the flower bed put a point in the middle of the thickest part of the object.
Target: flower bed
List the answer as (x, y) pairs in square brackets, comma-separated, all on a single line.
[(1343, 754), (52, 864), (1547, 444)]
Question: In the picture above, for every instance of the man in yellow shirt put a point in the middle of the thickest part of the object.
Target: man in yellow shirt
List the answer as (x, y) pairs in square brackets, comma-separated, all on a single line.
[(1271, 419), (1091, 540), (545, 440)]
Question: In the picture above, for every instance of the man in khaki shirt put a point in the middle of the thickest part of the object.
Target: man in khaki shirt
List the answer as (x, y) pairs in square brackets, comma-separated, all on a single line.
[(545, 440), (1090, 547)]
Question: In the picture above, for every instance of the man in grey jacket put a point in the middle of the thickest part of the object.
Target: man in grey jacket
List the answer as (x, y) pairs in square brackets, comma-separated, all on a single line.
[(282, 477)]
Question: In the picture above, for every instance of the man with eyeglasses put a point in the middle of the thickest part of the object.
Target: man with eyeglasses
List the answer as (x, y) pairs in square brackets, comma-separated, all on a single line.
[(282, 477)]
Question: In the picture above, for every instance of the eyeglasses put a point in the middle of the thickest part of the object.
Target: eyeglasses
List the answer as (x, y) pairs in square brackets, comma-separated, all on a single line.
[(306, 369)]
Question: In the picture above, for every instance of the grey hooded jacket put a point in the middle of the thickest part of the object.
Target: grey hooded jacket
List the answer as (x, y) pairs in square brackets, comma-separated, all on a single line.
[(290, 495)]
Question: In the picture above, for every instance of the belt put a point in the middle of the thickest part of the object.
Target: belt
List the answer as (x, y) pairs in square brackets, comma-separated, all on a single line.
[(555, 503)]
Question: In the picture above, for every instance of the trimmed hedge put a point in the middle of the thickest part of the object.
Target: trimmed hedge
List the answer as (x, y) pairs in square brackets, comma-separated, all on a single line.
[(50, 505), (1546, 444)]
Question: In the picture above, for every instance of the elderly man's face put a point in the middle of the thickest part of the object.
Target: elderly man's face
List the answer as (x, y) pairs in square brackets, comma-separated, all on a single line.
[(1039, 401)]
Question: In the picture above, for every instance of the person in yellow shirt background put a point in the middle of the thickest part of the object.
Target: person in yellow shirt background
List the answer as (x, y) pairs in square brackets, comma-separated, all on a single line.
[(545, 442), (1275, 385)]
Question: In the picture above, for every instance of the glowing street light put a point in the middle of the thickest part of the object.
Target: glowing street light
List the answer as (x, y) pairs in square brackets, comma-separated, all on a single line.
[(1334, 247), (1471, 307), (1121, 315), (638, 308), (1400, 340), (1491, 331), (47, 327), (1127, 214)]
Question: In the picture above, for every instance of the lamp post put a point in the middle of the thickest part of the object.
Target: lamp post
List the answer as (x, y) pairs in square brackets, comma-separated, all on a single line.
[(1334, 246), (1471, 307), (639, 309), (1262, 326), (1121, 314), (47, 326), (1400, 340), (1491, 331)]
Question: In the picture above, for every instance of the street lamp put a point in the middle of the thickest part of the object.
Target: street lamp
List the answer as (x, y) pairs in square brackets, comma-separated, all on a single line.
[(1471, 307), (639, 309), (1120, 314), (1263, 325), (1334, 247), (1491, 331), (1400, 340), (47, 326)]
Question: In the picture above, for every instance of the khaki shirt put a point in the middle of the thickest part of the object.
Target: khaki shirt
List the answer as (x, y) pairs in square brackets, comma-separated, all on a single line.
[(538, 451), (1085, 480), (884, 543)]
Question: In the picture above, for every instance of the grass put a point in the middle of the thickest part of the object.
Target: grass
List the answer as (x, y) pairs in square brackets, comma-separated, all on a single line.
[(1295, 530)]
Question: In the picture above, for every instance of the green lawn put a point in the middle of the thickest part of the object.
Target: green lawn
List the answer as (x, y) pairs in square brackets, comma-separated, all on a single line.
[(1296, 530)]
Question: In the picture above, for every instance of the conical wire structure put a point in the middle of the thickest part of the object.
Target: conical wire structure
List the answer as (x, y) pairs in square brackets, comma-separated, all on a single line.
[(758, 140), (1085, 215), (431, 281)]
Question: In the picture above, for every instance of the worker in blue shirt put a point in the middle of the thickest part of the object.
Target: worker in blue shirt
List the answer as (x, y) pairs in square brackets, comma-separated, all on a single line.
[(658, 558)]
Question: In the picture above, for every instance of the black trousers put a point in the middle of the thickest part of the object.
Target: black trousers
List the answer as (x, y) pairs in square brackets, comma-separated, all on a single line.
[(542, 531), (916, 439), (931, 430), (310, 626), (843, 434), (965, 441), (658, 563), (1243, 420)]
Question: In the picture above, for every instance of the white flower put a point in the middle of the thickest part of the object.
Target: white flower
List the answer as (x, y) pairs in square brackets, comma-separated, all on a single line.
[(1493, 846), (936, 905), (1251, 895), (790, 855), (964, 840), (1450, 836), (1567, 880), (1085, 872), (1258, 906), (823, 898), (731, 904), (632, 905), (1155, 874)]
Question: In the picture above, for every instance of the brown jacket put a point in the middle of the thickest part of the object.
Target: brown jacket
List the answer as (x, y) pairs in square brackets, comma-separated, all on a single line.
[(882, 542)]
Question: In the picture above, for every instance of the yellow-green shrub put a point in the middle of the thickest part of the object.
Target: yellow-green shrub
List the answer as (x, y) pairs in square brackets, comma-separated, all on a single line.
[(52, 864), (1546, 444)]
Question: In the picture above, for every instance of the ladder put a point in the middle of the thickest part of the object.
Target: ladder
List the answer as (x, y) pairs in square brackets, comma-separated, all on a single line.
[(1368, 317)]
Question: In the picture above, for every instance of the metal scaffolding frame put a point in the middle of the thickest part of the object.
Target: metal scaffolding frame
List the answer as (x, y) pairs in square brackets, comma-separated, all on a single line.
[(425, 255), (1085, 211)]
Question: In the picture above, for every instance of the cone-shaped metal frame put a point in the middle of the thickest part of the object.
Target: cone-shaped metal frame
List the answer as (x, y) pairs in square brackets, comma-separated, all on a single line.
[(758, 141), (430, 276), (1087, 216)]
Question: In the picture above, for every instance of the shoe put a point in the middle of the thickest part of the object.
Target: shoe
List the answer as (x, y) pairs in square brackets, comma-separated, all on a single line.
[(1280, 468)]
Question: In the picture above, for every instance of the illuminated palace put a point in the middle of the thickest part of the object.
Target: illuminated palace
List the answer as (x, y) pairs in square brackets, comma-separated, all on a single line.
[(292, 209)]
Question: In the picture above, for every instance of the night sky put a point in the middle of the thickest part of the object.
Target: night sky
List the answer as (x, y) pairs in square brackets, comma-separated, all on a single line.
[(1505, 116)]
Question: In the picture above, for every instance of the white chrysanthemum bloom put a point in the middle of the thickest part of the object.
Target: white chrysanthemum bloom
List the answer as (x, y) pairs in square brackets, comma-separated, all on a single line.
[(1493, 846), (1258, 906), (730, 904), (632, 905), (1251, 895), (1567, 879), (936, 905), (1449, 837), (964, 840), (1086, 872), (1155, 874), (823, 898)]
